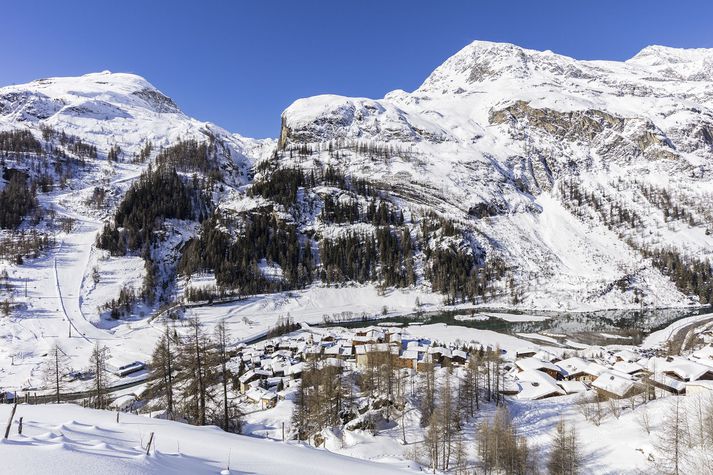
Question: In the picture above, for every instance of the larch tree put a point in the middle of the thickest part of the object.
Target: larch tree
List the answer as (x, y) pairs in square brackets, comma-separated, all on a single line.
[(98, 363), (672, 440), (55, 366), (162, 369), (196, 369), (565, 458), (222, 357)]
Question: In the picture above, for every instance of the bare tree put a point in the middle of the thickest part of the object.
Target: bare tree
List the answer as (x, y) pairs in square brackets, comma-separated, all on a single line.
[(428, 393), (644, 419), (565, 458), (55, 366), (433, 439), (161, 373), (500, 448), (470, 385), (614, 407), (98, 363), (221, 338), (197, 373), (584, 405), (671, 440)]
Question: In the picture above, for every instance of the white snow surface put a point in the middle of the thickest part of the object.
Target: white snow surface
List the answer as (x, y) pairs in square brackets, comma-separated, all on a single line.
[(63, 439)]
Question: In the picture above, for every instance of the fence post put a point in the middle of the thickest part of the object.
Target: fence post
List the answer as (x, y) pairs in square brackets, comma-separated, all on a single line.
[(9, 422), (19, 429), (148, 447)]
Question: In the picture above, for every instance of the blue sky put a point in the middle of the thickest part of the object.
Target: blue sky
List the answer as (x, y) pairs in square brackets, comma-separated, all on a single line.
[(239, 64)]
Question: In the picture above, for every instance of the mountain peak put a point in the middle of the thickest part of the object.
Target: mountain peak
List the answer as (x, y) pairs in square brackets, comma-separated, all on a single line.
[(689, 64), (486, 60), (654, 55), (104, 94)]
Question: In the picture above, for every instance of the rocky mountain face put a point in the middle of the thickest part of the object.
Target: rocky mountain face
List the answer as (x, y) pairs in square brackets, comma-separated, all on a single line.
[(589, 179), (510, 176)]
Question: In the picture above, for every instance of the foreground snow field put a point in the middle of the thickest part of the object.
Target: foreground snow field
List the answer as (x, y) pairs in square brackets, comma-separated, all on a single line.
[(68, 439)]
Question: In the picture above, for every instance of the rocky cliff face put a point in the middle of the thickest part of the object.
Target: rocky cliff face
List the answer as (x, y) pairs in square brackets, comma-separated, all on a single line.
[(495, 134)]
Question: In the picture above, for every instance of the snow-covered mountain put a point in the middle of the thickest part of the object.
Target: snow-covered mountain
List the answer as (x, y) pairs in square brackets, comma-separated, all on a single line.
[(510, 176), (569, 170), (113, 109)]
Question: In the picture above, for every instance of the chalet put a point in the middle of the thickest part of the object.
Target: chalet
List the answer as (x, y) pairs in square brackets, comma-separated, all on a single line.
[(510, 388), (626, 356), (371, 335), (335, 362), (393, 336), (125, 369), (409, 359), (250, 376), (572, 386), (274, 382), (592, 371), (573, 368), (313, 351), (525, 353), (535, 384), (263, 397), (686, 370), (666, 383), (440, 355), (339, 350), (425, 361), (295, 370), (332, 351), (533, 363), (459, 357), (631, 369), (615, 385), (375, 353)]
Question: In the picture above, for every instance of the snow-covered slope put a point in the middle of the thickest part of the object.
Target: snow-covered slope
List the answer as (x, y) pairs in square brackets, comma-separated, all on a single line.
[(114, 109), (543, 158), (55, 295), (62, 439)]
